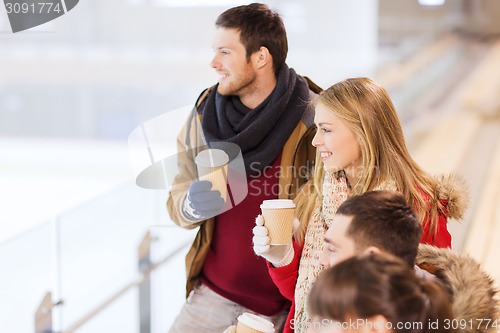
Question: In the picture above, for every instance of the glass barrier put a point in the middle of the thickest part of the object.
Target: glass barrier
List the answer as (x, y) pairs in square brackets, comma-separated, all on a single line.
[(169, 293), (26, 276), (99, 249), (120, 316), (96, 258), (169, 280)]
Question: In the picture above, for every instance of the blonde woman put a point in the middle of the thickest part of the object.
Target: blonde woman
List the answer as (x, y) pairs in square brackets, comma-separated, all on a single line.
[(360, 147)]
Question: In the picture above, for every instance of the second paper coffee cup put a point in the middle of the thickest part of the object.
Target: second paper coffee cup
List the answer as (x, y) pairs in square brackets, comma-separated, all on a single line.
[(250, 323)]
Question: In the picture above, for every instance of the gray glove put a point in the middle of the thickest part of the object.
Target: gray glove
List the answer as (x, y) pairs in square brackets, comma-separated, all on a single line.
[(201, 201)]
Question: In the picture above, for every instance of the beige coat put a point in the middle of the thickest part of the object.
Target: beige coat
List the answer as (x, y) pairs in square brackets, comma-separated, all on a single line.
[(297, 152)]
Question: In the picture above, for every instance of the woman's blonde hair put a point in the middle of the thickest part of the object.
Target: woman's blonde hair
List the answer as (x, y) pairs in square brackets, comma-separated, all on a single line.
[(369, 112)]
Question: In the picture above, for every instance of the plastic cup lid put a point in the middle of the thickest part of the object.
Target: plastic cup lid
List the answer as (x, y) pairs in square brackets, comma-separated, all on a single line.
[(256, 322), (211, 158), (277, 203)]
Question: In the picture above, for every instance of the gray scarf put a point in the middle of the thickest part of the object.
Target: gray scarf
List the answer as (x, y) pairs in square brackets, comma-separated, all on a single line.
[(262, 132)]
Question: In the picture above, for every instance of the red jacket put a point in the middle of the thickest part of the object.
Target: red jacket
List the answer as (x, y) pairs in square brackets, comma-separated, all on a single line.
[(285, 277)]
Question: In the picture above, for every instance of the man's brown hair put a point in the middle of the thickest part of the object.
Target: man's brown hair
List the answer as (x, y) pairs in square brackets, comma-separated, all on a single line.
[(258, 26), (385, 220)]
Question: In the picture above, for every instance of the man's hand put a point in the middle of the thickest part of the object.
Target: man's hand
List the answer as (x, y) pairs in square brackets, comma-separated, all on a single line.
[(201, 201)]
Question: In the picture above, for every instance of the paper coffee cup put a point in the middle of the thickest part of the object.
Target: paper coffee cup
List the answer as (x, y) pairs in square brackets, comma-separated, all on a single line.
[(212, 166), (250, 323), (278, 217)]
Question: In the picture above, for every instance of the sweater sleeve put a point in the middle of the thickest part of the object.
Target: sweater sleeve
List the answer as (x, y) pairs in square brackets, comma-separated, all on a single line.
[(285, 277), (186, 172)]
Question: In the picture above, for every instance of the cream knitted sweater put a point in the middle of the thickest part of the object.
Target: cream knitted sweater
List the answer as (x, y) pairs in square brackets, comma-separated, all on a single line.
[(335, 192)]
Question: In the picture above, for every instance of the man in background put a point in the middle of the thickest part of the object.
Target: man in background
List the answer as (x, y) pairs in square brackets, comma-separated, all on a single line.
[(260, 105)]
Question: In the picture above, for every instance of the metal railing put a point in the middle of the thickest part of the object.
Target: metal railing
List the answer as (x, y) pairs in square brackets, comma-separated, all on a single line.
[(112, 261), (44, 313)]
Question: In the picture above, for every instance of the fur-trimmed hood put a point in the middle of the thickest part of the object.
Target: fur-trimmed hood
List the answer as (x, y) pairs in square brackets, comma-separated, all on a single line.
[(472, 290), (453, 190)]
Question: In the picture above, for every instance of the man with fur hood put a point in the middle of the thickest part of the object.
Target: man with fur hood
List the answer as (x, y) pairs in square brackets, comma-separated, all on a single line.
[(381, 221), (472, 291)]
